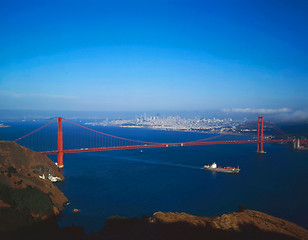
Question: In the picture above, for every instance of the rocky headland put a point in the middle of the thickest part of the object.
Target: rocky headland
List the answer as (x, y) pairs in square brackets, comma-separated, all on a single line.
[(27, 194)]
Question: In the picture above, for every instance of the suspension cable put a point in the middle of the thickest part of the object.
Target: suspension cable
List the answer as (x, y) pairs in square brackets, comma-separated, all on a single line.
[(35, 130), (109, 135)]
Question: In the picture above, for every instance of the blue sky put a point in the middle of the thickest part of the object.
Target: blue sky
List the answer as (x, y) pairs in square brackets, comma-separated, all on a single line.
[(153, 55)]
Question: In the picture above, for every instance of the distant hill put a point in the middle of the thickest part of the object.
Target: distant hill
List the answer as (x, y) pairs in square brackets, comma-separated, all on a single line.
[(26, 193)]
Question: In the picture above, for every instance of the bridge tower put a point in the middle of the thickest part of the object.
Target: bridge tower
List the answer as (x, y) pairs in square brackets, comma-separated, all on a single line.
[(60, 143), (260, 135)]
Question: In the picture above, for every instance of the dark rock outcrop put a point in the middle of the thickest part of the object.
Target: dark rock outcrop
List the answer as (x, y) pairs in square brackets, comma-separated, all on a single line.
[(247, 224)]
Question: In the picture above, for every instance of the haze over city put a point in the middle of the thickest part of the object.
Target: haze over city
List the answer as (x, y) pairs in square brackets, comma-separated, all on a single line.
[(228, 56)]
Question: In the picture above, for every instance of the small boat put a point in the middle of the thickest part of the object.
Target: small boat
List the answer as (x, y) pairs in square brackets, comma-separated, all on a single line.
[(215, 168)]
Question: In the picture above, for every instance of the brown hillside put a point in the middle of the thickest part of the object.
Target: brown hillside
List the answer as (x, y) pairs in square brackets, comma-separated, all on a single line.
[(21, 188), (248, 224), (236, 223)]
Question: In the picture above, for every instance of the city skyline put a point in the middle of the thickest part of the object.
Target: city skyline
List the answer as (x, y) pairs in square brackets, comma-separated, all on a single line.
[(236, 56)]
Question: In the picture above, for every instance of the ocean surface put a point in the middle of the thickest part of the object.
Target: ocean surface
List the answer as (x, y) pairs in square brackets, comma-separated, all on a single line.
[(137, 182)]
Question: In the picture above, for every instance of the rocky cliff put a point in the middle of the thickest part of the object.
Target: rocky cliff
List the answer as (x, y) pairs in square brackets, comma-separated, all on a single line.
[(252, 224), (246, 224), (27, 194)]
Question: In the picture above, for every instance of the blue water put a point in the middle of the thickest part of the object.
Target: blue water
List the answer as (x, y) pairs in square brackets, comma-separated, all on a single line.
[(133, 182)]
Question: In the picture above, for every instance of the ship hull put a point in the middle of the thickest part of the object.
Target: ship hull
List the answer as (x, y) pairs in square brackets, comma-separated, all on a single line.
[(224, 170)]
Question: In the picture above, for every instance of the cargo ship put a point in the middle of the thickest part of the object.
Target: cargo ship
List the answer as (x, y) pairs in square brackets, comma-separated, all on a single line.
[(215, 168)]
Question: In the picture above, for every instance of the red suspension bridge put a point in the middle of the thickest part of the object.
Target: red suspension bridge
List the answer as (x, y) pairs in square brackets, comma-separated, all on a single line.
[(94, 140)]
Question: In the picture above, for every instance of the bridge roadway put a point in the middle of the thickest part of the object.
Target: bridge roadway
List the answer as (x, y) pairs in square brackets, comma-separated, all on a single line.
[(163, 145)]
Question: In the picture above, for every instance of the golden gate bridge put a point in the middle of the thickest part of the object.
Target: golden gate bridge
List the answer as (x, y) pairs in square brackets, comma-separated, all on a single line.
[(93, 140)]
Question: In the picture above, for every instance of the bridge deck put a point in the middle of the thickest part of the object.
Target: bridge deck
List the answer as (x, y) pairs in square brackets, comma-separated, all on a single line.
[(163, 145)]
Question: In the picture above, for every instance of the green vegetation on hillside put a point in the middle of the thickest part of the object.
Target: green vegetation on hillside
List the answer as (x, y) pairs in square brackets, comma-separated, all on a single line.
[(24, 202), (27, 199)]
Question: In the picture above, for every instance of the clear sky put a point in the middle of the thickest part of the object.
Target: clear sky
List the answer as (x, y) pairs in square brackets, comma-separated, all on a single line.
[(111, 55)]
